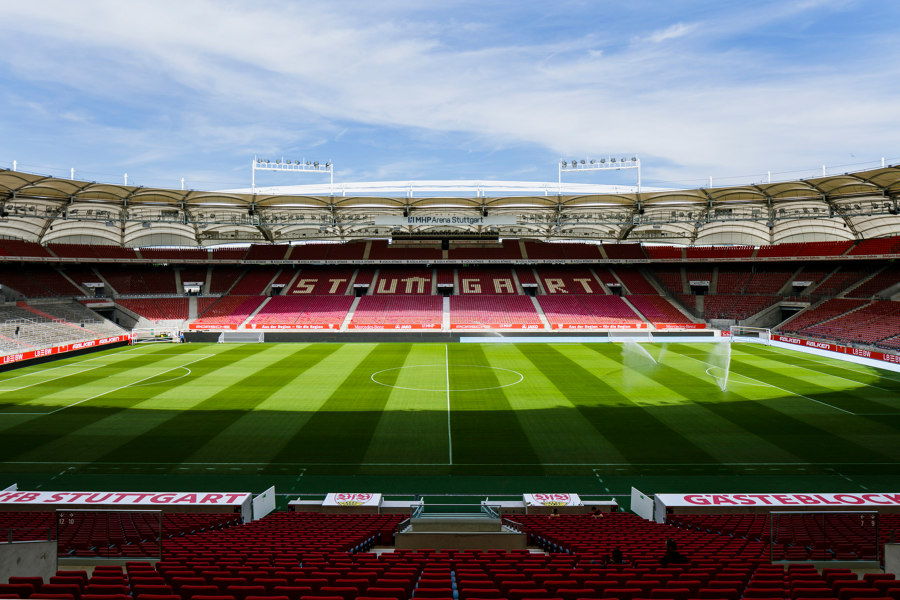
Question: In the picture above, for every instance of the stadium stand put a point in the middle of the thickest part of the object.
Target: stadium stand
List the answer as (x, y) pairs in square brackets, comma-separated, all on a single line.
[(404, 281), (735, 306), (318, 282), (222, 278), (38, 281), (401, 310), (268, 252), (888, 277), (657, 310), (714, 252), (875, 246), (381, 250), (134, 280), (91, 251), (509, 250), (304, 310), (157, 309), (580, 309), (255, 281), (474, 280), (229, 310), (569, 280), (670, 278), (804, 249), (822, 312), (840, 280), (869, 324), (623, 251), (497, 311), (665, 252), (634, 281)]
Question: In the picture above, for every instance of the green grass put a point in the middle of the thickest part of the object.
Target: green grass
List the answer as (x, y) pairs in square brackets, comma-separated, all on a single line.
[(457, 418)]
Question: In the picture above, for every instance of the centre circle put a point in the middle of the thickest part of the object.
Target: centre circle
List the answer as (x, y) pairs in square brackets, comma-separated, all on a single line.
[(436, 378)]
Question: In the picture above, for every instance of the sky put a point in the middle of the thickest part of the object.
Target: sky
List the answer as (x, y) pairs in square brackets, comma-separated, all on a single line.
[(456, 89)]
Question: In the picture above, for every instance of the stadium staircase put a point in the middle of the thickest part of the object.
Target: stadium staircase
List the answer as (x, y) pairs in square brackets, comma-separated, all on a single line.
[(540, 313), (249, 318), (350, 313)]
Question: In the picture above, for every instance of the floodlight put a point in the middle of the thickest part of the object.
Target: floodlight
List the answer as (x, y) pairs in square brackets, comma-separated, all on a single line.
[(316, 164), (593, 161), (634, 159), (308, 163), (612, 160), (582, 161), (564, 164), (602, 161), (267, 161)]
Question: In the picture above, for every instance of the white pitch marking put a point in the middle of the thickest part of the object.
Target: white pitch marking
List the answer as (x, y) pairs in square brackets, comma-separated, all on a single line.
[(48, 380), (774, 386), (449, 434), (497, 387), (390, 464), (122, 387)]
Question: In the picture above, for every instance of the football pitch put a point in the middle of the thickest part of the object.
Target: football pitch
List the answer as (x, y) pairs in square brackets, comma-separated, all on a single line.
[(428, 418)]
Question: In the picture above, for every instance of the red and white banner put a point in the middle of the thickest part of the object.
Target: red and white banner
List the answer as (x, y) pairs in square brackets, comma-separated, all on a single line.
[(869, 499), (352, 499), (125, 498), (294, 326), (599, 326), (213, 326), (496, 326), (394, 326), (680, 325), (13, 358), (552, 499), (830, 347)]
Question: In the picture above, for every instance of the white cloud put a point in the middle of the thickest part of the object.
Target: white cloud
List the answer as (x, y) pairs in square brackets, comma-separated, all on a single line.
[(257, 79), (671, 32)]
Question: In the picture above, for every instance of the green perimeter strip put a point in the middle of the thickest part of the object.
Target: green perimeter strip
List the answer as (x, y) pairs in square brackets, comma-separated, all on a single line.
[(185, 432), (485, 428), (49, 436), (342, 429), (636, 433)]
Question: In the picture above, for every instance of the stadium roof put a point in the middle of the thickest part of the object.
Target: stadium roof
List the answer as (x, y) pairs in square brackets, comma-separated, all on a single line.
[(848, 206)]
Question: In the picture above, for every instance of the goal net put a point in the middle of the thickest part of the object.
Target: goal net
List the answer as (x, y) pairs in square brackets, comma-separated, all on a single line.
[(153, 335), (241, 337), (758, 335)]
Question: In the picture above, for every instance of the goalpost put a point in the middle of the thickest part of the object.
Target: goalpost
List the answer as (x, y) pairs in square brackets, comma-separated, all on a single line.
[(757, 335), (152, 335)]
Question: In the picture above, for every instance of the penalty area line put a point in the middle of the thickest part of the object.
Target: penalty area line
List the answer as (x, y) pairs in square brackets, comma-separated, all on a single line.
[(772, 386)]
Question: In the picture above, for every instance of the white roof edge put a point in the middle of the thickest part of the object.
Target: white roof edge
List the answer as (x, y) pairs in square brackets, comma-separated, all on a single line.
[(476, 186)]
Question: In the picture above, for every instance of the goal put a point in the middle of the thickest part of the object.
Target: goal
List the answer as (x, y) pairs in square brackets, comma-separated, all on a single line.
[(147, 335), (241, 337), (758, 335)]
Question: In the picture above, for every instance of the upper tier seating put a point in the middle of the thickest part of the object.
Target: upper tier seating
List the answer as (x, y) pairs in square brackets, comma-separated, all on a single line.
[(37, 281), (140, 280), (804, 249), (268, 251), (255, 281), (305, 310), (22, 248), (658, 310), (497, 311), (623, 251), (890, 245), (692, 252), (381, 250), (173, 254), (324, 251), (228, 253), (404, 281), (541, 250), (570, 309), (665, 252), (475, 280), (510, 250), (397, 309), (827, 310), (91, 251), (319, 282), (569, 280), (670, 278)]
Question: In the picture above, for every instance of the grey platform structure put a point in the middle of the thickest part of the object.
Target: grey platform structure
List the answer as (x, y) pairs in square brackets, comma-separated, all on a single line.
[(485, 530)]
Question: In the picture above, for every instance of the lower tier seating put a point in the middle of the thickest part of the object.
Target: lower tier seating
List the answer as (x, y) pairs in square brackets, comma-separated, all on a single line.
[(400, 310), (592, 309), (495, 311)]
